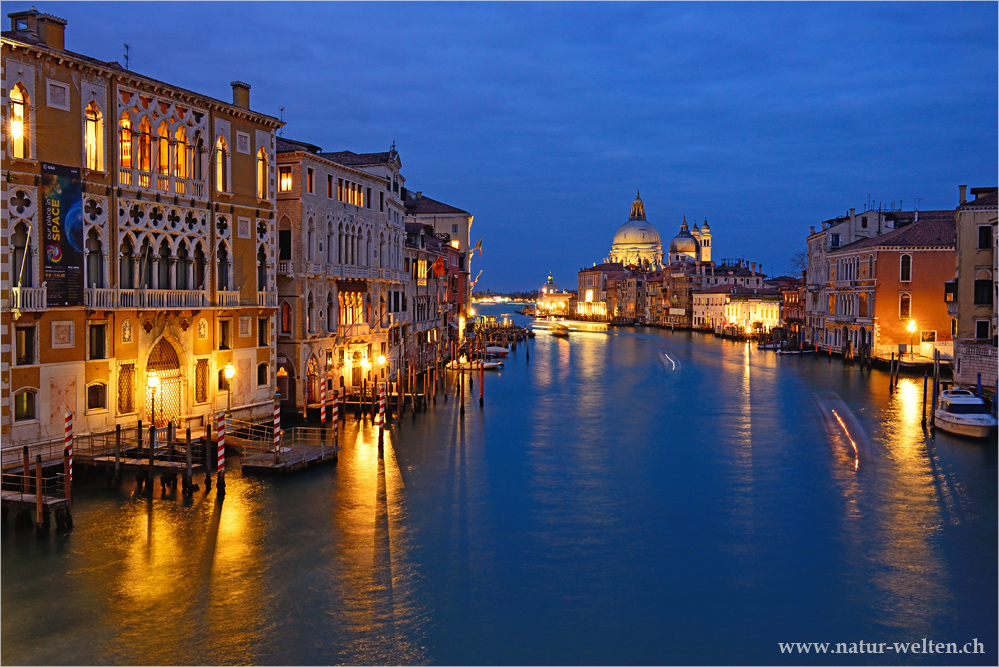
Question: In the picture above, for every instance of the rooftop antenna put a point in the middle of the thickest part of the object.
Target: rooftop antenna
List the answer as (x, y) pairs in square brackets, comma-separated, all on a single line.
[(127, 47), (281, 114), (917, 200)]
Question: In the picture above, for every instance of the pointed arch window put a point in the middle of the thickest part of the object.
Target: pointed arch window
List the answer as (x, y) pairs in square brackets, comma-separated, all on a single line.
[(145, 146), (125, 275), (125, 147), (23, 275), (261, 269), (197, 164), (180, 153), (19, 122), (905, 268), (95, 260), (221, 165), (94, 138), (262, 174), (223, 277), (162, 150), (285, 318)]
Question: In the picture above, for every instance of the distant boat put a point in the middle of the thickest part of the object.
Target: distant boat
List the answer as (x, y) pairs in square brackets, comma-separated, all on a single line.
[(560, 330), (962, 413), (473, 365), (497, 350), (772, 345), (795, 351)]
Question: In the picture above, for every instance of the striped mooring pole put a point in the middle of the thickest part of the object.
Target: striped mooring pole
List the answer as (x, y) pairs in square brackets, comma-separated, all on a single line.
[(336, 422), (69, 442), (220, 433), (277, 432), (322, 400), (381, 413)]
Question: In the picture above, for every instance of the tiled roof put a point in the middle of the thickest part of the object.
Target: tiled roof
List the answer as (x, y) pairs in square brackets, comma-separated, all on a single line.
[(423, 205), (933, 231), (352, 159), (28, 37), (737, 290), (987, 199), (606, 267), (285, 145)]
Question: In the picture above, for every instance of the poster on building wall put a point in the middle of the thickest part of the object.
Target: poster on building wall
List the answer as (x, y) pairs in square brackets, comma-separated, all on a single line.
[(62, 234)]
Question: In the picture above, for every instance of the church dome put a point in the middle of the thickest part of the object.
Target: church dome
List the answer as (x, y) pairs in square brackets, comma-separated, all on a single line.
[(683, 243), (637, 229)]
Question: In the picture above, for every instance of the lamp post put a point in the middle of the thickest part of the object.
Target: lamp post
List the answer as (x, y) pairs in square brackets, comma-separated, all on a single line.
[(229, 372), (912, 331), (154, 382)]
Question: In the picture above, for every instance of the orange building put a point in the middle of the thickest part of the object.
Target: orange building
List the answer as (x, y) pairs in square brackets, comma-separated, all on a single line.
[(138, 240), (887, 291)]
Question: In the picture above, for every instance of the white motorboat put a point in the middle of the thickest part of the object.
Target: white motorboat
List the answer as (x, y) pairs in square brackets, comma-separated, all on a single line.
[(497, 350), (559, 329), (473, 365), (962, 413)]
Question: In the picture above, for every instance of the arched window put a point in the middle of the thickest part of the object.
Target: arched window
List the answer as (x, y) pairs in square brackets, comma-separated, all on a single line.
[(197, 158), (23, 274), (285, 318), (263, 192), (223, 272), (183, 263), (180, 153), (19, 122), (95, 260), (126, 279), (145, 277), (163, 267), (310, 315), (125, 145), (905, 268), (94, 138), (24, 405), (145, 146), (262, 378), (97, 396), (261, 269), (330, 312), (904, 306), (163, 150), (199, 267), (221, 165), (310, 240)]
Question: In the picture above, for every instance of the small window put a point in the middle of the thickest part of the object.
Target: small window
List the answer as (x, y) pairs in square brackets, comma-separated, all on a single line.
[(982, 329), (223, 383), (454, 229), (863, 221), (834, 240), (24, 406), (97, 396), (367, 198), (983, 292), (904, 306), (262, 375), (24, 341), (126, 382), (905, 268), (201, 381), (310, 184), (285, 318), (381, 201), (98, 341), (225, 335), (261, 333), (284, 179), (985, 237), (329, 186)]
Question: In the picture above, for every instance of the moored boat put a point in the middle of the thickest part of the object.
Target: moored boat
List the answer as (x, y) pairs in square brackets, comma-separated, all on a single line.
[(473, 365), (497, 350), (962, 413)]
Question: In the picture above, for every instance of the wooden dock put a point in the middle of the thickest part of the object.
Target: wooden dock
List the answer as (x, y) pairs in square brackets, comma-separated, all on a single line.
[(299, 448), (38, 495)]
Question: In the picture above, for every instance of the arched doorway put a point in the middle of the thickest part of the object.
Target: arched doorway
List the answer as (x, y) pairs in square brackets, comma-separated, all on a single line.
[(312, 382), (165, 365)]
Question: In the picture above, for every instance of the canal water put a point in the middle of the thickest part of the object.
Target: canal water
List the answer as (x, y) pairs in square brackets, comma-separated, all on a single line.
[(626, 496)]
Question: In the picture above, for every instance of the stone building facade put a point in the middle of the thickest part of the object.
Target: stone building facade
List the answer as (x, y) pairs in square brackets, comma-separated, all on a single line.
[(164, 261)]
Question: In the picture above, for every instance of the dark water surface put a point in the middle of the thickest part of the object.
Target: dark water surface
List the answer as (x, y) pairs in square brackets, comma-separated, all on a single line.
[(601, 509)]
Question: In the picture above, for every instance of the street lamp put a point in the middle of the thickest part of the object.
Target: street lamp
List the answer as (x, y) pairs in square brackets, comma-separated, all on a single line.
[(154, 382), (229, 372), (912, 331)]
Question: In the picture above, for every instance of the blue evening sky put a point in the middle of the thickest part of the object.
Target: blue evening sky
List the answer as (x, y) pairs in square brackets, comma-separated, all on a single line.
[(543, 119)]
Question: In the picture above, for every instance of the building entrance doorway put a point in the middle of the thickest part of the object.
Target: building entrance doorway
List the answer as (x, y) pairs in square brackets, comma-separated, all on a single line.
[(164, 364)]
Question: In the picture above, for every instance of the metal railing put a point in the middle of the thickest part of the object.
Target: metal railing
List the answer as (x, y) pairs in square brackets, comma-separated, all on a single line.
[(20, 487), (13, 456)]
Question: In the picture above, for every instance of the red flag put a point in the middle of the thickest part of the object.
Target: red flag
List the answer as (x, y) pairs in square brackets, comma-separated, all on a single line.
[(438, 267)]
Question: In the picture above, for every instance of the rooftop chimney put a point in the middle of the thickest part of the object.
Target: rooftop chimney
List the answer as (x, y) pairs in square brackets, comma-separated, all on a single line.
[(240, 94), (853, 218), (753, 264), (50, 29), (964, 194)]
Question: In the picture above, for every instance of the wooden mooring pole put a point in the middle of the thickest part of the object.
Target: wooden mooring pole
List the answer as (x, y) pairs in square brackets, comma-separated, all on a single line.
[(152, 457), (925, 380), (116, 480), (26, 470), (67, 472), (41, 520), (188, 465)]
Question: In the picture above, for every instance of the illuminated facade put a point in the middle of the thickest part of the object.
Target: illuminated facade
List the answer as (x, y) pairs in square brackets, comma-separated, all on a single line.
[(451, 221), (636, 242), (971, 295), (752, 311), (165, 263), (341, 276)]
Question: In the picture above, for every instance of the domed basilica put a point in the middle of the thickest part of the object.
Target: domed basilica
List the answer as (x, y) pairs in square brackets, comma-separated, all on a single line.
[(637, 242)]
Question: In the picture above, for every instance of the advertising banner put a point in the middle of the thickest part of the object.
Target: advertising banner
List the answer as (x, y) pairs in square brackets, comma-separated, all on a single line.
[(62, 234)]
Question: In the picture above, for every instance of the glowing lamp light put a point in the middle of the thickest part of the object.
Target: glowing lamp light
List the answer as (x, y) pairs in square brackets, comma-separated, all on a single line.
[(912, 326), (381, 358), (229, 371), (154, 380), (471, 311)]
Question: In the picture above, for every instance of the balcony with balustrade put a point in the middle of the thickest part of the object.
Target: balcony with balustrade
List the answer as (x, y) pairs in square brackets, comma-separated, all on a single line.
[(110, 298), (353, 330), (286, 268), (28, 298), (161, 183), (226, 299), (267, 299)]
